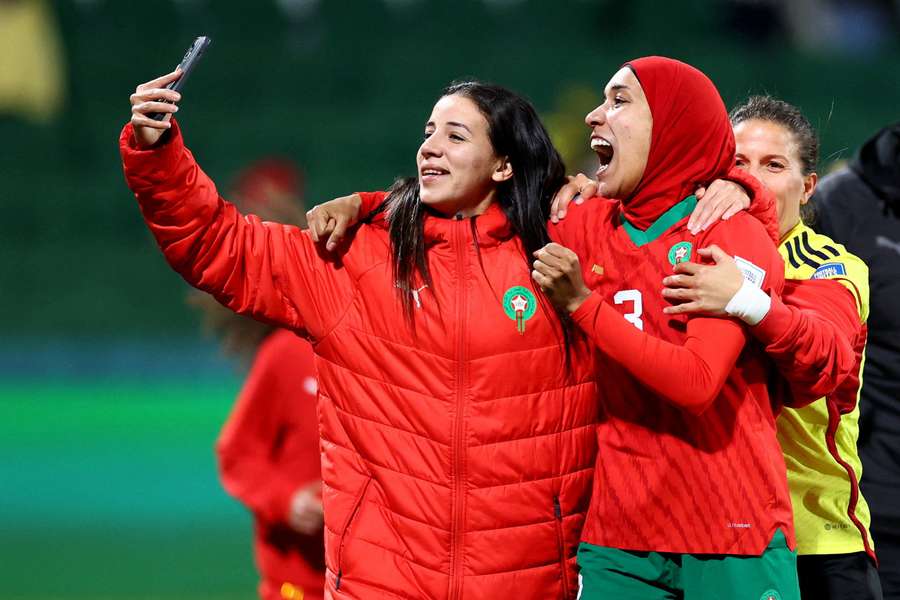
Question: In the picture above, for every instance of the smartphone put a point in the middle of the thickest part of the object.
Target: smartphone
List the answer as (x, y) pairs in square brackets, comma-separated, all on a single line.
[(187, 64)]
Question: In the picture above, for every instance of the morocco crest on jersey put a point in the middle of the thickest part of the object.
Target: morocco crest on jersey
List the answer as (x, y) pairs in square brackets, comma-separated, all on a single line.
[(680, 252), (519, 304)]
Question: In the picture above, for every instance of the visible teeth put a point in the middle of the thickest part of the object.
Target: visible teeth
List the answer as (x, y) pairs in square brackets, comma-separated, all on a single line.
[(431, 172), (602, 168), (599, 143)]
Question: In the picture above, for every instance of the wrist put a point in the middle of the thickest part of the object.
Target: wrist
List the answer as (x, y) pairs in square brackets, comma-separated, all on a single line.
[(750, 304), (150, 141), (576, 302)]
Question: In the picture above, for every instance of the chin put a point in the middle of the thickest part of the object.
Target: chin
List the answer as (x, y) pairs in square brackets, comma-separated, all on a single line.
[(607, 190), (429, 199), (428, 196), (437, 203)]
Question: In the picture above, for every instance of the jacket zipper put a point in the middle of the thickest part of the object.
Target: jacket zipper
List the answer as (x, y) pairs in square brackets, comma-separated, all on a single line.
[(346, 530), (561, 546), (459, 491)]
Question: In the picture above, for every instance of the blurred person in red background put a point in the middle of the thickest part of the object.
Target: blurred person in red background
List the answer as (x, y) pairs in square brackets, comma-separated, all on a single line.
[(268, 449)]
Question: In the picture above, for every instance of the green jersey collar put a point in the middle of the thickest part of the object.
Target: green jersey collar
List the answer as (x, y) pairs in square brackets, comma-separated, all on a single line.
[(662, 224)]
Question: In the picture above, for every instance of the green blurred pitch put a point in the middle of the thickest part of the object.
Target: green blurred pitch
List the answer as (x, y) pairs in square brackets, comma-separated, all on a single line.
[(109, 490)]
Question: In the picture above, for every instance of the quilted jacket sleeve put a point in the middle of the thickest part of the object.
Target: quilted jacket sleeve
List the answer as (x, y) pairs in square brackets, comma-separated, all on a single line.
[(370, 202), (269, 271)]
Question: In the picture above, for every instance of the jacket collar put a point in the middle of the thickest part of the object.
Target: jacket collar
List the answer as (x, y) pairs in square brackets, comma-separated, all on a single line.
[(489, 228)]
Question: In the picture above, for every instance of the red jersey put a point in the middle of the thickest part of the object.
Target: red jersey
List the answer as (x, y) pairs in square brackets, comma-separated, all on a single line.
[(688, 460), (268, 449)]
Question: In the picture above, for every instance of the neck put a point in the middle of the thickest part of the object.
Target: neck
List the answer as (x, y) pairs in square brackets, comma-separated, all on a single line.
[(465, 212), (787, 229), (643, 212)]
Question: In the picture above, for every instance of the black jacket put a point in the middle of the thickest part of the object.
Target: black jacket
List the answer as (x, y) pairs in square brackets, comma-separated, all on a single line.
[(859, 206)]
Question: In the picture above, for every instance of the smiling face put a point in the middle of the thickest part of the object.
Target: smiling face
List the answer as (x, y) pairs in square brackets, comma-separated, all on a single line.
[(458, 169), (770, 153), (621, 130)]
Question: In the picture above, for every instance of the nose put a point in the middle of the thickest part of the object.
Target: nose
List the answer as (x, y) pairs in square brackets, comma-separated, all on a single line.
[(430, 147), (755, 169), (596, 117)]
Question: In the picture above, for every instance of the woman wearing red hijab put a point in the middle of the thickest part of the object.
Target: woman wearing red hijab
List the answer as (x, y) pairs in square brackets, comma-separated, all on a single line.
[(690, 498)]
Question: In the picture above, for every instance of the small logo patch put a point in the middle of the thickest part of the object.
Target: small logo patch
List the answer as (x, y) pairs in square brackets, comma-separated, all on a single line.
[(519, 304), (416, 294), (680, 252), (770, 595), (597, 270), (829, 270), (751, 272)]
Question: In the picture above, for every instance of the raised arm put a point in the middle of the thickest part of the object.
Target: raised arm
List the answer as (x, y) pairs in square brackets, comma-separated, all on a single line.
[(269, 271)]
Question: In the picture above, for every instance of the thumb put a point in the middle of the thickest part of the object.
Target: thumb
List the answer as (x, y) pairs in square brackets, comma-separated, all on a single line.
[(590, 190), (717, 254), (701, 191), (340, 228)]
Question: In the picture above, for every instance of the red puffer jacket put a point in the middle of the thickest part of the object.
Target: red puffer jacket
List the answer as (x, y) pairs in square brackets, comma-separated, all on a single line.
[(457, 458)]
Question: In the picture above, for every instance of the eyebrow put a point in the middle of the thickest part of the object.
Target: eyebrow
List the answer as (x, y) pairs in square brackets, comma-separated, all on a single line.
[(450, 123), (455, 124), (767, 156), (616, 87)]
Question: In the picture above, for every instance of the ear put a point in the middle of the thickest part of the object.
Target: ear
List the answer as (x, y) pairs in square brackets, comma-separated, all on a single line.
[(809, 187), (503, 171)]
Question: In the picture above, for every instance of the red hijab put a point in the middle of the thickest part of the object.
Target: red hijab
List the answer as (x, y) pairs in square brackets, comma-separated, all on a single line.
[(691, 144)]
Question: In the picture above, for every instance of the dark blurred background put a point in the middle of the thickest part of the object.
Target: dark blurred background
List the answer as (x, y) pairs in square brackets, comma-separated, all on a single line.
[(110, 395)]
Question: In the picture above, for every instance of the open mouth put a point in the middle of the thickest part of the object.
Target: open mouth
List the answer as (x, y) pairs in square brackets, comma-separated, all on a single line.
[(604, 151), (429, 174)]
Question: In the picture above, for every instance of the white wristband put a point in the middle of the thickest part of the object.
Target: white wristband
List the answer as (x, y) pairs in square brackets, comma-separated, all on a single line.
[(750, 304)]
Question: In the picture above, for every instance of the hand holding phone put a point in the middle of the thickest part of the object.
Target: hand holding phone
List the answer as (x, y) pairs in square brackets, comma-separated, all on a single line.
[(152, 102), (187, 64)]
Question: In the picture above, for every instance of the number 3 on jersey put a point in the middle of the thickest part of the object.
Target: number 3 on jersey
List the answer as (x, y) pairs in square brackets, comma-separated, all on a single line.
[(637, 308)]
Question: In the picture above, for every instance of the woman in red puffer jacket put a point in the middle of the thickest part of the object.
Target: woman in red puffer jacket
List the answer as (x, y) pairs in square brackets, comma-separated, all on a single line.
[(456, 407)]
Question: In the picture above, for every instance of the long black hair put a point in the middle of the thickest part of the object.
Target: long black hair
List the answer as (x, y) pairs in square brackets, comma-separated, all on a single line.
[(515, 132)]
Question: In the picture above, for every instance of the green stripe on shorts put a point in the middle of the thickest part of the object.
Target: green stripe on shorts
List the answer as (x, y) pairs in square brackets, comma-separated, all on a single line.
[(610, 573)]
